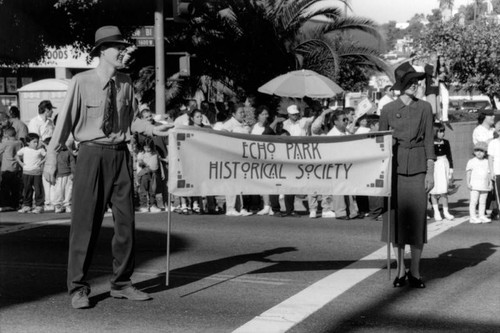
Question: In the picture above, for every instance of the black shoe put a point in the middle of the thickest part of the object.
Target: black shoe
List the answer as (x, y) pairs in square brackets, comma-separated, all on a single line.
[(343, 218), (399, 281), (292, 214), (414, 282)]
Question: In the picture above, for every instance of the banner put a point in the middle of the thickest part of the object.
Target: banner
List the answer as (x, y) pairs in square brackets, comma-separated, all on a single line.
[(207, 162)]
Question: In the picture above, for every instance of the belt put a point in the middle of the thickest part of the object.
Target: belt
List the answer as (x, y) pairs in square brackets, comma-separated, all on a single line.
[(115, 146)]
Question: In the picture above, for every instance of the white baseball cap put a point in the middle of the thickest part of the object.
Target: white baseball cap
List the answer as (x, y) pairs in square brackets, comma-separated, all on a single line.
[(292, 109)]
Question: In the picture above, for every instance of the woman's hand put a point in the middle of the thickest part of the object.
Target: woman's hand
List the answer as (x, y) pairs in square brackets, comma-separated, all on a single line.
[(429, 182)]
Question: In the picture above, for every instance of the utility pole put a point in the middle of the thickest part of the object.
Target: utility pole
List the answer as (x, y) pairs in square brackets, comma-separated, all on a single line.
[(159, 59)]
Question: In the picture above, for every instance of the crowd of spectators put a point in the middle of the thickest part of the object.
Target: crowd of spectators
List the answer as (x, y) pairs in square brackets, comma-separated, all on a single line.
[(23, 151)]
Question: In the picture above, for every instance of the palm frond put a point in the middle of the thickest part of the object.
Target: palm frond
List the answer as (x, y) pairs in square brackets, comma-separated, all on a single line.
[(349, 23), (320, 56), (331, 13)]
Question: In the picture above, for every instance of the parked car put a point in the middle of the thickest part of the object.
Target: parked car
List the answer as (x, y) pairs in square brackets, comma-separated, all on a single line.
[(475, 106)]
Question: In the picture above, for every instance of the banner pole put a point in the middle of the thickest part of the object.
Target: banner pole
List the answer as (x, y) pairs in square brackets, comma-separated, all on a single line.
[(169, 220), (389, 239)]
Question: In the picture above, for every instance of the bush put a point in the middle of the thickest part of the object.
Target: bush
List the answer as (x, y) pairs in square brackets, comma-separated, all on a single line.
[(462, 116)]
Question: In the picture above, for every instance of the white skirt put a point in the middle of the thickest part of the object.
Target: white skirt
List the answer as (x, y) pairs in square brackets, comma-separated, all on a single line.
[(441, 176)]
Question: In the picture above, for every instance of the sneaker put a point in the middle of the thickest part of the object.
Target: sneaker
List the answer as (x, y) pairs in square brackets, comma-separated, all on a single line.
[(312, 214), (24, 210), (233, 212), (474, 220), (245, 212), (328, 214), (264, 211), (484, 219), (130, 293), (6, 209), (154, 209), (144, 210), (437, 217), (38, 210), (271, 212), (80, 300), (448, 216), (67, 209), (48, 208), (59, 210)]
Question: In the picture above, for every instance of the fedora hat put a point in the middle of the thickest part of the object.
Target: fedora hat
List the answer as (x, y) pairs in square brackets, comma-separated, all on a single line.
[(405, 73), (107, 34)]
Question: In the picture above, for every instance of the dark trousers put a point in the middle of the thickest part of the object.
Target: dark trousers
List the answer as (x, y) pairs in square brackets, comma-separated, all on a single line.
[(9, 188), (32, 183), (363, 203), (275, 202), (289, 203), (148, 188), (103, 176), (376, 206)]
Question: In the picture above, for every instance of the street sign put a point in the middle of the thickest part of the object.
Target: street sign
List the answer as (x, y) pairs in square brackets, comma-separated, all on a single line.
[(145, 42), (144, 36)]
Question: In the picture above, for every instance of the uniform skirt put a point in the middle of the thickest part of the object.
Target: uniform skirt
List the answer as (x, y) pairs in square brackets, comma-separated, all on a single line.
[(408, 211), (441, 174)]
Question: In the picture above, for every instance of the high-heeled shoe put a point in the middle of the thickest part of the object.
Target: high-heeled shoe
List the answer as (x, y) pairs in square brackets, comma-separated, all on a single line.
[(399, 281), (414, 282)]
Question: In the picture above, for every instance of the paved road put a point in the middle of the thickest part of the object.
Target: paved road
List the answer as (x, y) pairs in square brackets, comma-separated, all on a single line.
[(254, 275)]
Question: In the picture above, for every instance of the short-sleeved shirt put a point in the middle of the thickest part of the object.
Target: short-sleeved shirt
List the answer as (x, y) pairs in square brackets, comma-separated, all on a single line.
[(482, 134), (8, 151), (151, 160), (298, 128), (480, 174), (32, 159)]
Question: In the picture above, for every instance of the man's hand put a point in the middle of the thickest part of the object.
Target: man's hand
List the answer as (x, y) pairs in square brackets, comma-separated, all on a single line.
[(50, 175), (162, 130)]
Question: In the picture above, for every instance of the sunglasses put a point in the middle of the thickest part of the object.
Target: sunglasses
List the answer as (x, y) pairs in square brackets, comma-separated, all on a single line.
[(441, 131)]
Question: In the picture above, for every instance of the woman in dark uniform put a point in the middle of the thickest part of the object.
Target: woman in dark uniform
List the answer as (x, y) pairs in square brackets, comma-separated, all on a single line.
[(412, 174)]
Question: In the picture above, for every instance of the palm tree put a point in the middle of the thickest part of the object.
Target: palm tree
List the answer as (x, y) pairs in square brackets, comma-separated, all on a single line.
[(252, 41)]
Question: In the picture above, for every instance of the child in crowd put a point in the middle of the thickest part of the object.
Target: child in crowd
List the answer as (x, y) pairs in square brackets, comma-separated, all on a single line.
[(48, 188), (478, 182), (31, 159), (61, 190), (148, 174), (11, 173), (443, 173)]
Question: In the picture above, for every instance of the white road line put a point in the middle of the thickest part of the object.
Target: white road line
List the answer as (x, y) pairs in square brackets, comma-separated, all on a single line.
[(295, 309)]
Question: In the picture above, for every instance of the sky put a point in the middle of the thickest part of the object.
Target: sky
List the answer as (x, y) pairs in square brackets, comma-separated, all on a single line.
[(382, 11)]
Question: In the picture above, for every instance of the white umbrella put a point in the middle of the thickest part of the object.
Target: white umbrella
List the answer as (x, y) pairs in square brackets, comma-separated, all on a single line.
[(301, 83)]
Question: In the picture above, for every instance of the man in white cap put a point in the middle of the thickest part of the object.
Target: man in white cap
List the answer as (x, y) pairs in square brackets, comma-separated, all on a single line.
[(100, 112), (295, 125)]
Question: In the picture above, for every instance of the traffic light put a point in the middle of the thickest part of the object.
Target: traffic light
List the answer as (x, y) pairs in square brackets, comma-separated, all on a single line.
[(182, 10)]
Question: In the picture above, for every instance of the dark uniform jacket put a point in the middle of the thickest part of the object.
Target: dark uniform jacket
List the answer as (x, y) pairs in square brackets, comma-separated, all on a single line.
[(413, 135)]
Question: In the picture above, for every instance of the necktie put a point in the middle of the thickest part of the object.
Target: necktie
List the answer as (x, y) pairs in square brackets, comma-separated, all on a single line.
[(109, 112)]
